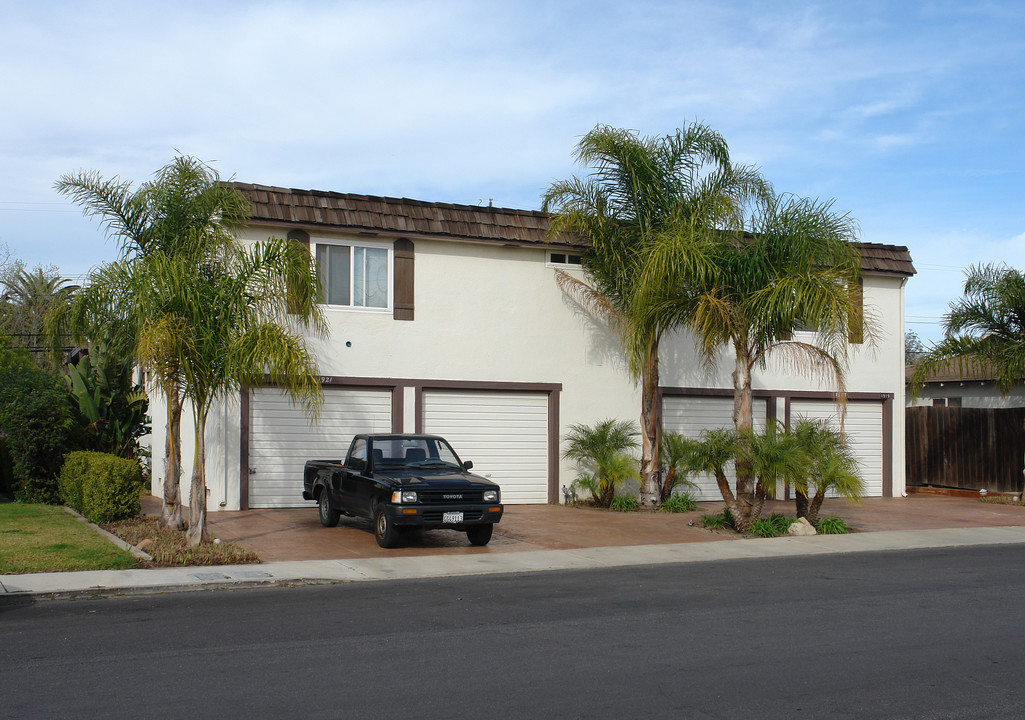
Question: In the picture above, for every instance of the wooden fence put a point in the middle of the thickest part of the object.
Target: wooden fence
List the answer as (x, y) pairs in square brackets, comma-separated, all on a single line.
[(967, 448)]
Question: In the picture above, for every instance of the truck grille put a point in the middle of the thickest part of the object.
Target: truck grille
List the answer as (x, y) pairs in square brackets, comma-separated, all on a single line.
[(450, 497)]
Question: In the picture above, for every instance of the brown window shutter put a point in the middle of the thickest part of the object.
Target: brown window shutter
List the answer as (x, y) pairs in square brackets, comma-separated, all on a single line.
[(303, 238), (300, 236), (403, 279), (855, 326)]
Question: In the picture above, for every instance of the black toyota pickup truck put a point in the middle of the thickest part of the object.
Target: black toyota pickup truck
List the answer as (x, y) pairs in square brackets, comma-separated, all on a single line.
[(402, 482)]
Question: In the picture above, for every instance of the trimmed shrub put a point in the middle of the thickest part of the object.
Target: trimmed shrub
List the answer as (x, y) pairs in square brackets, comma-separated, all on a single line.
[(104, 488), (72, 475)]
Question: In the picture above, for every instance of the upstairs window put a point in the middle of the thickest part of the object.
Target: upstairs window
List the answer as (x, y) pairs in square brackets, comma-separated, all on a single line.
[(356, 276)]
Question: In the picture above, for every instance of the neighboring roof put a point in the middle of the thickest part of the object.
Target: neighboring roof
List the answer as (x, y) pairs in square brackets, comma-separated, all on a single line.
[(952, 372), (416, 218)]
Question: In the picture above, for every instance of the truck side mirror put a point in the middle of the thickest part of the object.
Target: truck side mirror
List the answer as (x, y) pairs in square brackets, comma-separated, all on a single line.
[(468, 465), (358, 464)]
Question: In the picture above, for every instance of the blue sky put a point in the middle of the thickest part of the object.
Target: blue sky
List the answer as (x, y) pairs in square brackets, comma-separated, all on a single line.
[(909, 114)]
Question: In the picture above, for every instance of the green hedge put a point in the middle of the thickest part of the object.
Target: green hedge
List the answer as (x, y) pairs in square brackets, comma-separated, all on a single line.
[(102, 487)]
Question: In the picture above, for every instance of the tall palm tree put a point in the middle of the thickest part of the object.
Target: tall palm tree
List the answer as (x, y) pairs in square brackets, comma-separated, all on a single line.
[(183, 211), (240, 324), (641, 189), (984, 329), (790, 264)]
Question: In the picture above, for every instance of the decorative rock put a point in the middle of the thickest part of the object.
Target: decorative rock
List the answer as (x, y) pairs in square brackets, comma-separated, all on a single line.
[(801, 527), (144, 544)]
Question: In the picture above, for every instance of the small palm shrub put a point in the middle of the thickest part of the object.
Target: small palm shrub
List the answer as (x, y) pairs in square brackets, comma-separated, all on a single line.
[(601, 453), (680, 460), (678, 504), (625, 504), (832, 525), (722, 521), (772, 526)]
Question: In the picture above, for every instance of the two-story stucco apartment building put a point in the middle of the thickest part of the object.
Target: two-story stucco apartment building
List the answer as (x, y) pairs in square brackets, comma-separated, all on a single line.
[(448, 319)]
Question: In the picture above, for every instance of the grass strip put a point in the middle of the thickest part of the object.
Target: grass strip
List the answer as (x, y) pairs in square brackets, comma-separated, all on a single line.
[(45, 538)]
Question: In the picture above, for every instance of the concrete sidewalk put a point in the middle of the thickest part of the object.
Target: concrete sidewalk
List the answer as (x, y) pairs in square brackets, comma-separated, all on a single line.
[(937, 523)]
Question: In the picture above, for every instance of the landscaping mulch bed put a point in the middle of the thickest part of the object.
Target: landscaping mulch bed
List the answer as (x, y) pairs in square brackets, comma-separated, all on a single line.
[(169, 549)]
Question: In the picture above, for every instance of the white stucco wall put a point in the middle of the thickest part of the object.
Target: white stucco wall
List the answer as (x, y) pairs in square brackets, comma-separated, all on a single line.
[(492, 313)]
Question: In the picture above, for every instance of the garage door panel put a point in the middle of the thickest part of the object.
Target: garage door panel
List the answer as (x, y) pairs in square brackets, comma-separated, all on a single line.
[(688, 416), (863, 425), (504, 434), (282, 438)]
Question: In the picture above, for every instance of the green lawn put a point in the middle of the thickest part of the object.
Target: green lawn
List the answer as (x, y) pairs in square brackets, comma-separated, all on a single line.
[(44, 538)]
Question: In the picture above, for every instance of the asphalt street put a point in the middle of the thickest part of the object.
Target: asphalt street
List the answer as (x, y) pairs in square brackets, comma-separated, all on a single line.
[(912, 634)]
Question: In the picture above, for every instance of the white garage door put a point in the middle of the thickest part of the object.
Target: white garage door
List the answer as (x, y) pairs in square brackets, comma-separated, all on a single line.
[(688, 416), (504, 434), (282, 438), (864, 427)]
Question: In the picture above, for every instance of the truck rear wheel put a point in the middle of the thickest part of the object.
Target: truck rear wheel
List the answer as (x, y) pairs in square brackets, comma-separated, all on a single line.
[(328, 515), (385, 532), (480, 534)]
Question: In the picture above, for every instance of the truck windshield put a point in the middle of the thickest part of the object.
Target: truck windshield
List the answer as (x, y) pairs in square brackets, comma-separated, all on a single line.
[(413, 452)]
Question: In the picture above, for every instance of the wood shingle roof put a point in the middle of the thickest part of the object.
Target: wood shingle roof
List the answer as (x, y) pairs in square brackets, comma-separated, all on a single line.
[(362, 214)]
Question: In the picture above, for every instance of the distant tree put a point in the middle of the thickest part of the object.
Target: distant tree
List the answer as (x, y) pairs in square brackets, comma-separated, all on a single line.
[(28, 296), (914, 349), (983, 330)]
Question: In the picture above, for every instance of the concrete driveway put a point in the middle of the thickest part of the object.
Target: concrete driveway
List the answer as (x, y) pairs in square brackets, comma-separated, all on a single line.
[(296, 534)]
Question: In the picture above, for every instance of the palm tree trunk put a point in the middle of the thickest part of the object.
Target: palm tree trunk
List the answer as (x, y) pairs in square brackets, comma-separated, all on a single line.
[(171, 516), (801, 500), (816, 506), (197, 501), (743, 420), (651, 428)]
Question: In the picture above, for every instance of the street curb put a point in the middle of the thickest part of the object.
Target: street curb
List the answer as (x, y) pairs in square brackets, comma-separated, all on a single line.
[(122, 583)]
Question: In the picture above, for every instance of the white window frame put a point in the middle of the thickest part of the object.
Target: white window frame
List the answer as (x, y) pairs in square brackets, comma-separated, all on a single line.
[(563, 265), (371, 244)]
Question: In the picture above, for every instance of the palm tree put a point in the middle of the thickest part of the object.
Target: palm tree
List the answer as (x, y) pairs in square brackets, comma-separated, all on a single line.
[(984, 329), (240, 323), (677, 454), (183, 211), (641, 189), (601, 451), (829, 464), (789, 264)]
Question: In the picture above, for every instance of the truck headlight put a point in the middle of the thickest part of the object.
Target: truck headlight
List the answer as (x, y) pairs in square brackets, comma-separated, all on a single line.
[(404, 496), (491, 496)]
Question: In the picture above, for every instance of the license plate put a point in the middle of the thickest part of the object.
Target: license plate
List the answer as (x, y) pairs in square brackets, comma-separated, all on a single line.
[(452, 518)]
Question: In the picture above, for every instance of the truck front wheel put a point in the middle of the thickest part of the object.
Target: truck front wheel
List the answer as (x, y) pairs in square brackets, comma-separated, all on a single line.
[(479, 534), (385, 532), (328, 515)]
